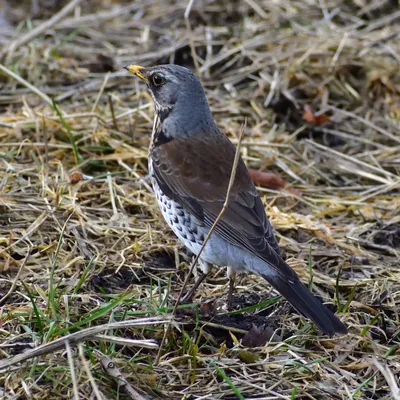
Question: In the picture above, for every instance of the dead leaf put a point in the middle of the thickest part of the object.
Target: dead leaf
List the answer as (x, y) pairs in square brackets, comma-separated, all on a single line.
[(207, 308), (269, 180), (313, 119), (258, 337), (75, 178)]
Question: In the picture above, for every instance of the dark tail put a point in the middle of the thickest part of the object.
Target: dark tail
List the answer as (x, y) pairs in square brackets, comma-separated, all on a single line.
[(307, 304)]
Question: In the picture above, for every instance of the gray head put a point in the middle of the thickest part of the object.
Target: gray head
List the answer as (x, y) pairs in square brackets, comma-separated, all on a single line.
[(179, 99)]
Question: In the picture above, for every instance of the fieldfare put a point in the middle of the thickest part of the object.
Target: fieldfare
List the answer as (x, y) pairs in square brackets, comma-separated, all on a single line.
[(190, 164)]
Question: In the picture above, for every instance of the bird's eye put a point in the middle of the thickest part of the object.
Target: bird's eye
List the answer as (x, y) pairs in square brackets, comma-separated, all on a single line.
[(158, 79)]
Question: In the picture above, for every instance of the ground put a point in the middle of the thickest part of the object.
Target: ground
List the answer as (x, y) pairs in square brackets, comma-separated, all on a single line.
[(84, 245)]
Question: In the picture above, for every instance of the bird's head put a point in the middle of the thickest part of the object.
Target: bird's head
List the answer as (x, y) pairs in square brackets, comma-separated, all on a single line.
[(178, 96)]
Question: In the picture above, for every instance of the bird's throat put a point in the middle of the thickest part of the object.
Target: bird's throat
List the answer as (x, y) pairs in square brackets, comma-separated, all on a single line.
[(159, 136)]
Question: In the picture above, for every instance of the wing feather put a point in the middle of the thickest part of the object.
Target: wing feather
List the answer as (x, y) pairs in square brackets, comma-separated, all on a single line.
[(195, 172)]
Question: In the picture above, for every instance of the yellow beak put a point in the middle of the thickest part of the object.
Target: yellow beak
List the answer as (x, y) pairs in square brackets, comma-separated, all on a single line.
[(139, 71)]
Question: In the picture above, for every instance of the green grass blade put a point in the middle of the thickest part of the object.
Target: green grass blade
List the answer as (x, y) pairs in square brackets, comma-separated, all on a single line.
[(78, 158), (257, 306), (103, 310), (226, 378), (35, 310), (84, 275)]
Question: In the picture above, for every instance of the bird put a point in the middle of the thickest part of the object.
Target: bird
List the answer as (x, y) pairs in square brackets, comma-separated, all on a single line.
[(190, 165)]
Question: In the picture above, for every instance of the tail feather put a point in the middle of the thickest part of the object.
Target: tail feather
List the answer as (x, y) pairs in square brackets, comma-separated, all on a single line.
[(307, 304)]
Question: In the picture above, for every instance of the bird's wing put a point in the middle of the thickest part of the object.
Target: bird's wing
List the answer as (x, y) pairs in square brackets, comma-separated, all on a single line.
[(195, 172)]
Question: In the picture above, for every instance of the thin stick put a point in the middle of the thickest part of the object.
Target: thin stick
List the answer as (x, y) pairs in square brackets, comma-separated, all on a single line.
[(72, 370), (79, 336), (112, 198), (257, 9), (191, 41), (366, 122), (103, 86), (32, 228), (27, 84), (110, 102), (96, 391), (353, 160), (46, 145), (112, 370), (40, 29), (389, 377), (231, 181), (14, 284)]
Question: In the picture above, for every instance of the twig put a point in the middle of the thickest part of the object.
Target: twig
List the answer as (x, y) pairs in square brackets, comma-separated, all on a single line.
[(110, 102), (371, 245), (78, 337), (96, 391), (40, 29), (27, 84), (112, 195), (32, 228), (354, 160), (366, 122), (378, 23), (103, 86), (147, 344), (257, 9), (389, 377), (225, 327), (231, 181), (338, 51), (46, 145), (14, 284), (191, 41), (112, 370), (72, 370)]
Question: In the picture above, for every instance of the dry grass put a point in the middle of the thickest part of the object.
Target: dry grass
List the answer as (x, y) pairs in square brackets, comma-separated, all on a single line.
[(83, 243)]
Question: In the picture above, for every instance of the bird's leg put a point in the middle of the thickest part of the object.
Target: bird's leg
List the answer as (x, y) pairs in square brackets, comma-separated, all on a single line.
[(231, 275), (188, 296), (205, 269)]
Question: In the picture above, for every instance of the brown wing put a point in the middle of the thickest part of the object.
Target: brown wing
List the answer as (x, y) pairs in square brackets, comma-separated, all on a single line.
[(195, 172)]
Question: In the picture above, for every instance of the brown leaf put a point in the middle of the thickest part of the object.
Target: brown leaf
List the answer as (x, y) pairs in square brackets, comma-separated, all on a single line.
[(257, 337), (313, 119), (267, 179), (207, 308), (75, 178)]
